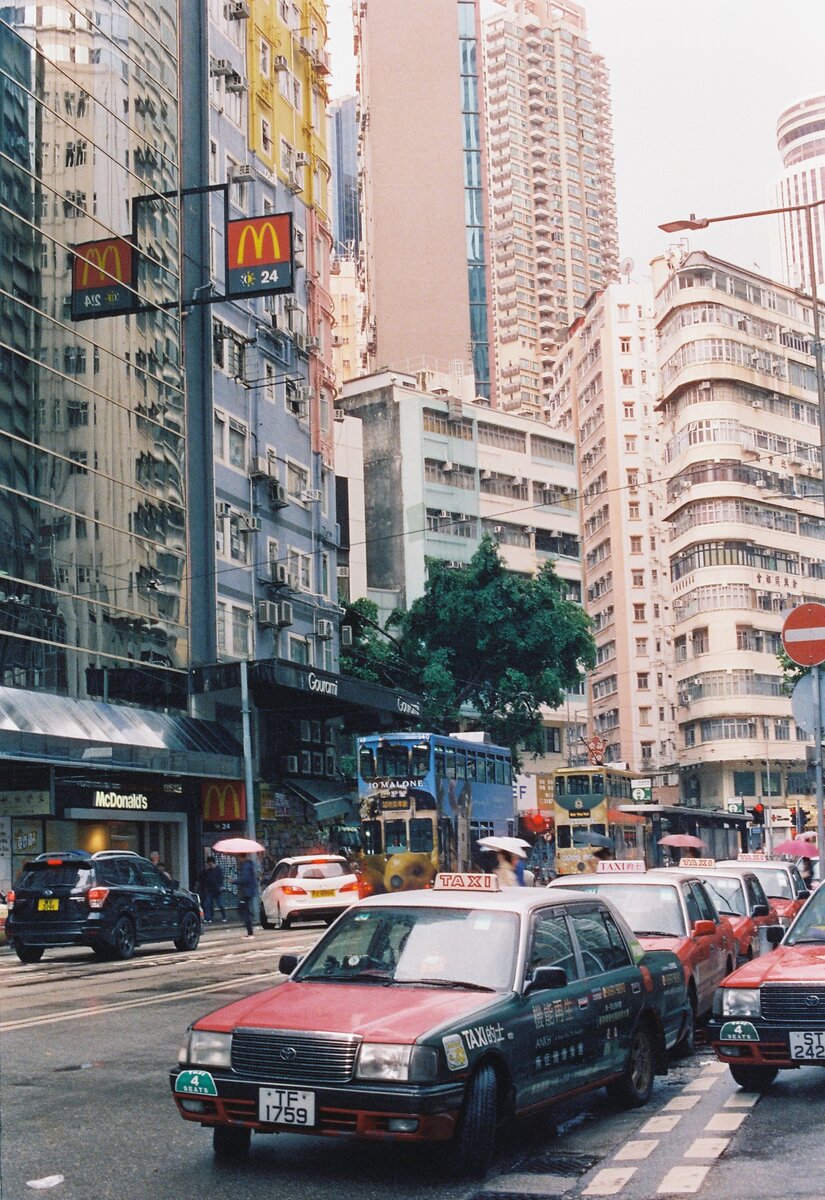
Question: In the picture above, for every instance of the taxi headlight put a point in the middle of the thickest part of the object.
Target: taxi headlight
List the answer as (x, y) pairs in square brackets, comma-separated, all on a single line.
[(396, 1064), (741, 1002), (207, 1049)]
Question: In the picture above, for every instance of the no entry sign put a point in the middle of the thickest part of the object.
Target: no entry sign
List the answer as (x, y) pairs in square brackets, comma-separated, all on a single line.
[(803, 635)]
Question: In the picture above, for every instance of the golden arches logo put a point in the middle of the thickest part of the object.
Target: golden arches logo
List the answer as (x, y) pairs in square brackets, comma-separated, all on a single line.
[(223, 801), (257, 236), (109, 261)]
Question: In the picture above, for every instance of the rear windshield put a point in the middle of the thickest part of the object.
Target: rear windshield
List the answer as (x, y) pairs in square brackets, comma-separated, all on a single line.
[(647, 910), (76, 876), (727, 894), (775, 883), (327, 870)]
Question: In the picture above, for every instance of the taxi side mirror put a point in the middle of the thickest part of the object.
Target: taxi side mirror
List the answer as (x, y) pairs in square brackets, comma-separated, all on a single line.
[(774, 934), (546, 977), (803, 894), (760, 910), (704, 928), (287, 963)]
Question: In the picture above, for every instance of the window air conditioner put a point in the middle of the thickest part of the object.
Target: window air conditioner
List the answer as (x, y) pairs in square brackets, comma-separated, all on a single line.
[(249, 523), (301, 160), (324, 630), (236, 83), (221, 66), (278, 494), (448, 466), (223, 510), (238, 10), (260, 467), (284, 613), (312, 494), (267, 613), (342, 571), (242, 173), (279, 574), (280, 63)]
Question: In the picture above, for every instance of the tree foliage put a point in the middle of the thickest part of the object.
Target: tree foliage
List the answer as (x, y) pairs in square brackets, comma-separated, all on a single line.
[(487, 641), (374, 654)]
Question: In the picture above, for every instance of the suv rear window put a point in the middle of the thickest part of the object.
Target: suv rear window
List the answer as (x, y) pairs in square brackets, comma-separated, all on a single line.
[(325, 870), (46, 875)]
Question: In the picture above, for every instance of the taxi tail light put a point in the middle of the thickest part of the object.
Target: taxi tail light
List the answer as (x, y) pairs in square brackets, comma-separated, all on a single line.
[(351, 887), (289, 890), (10, 900), (365, 888), (96, 896)]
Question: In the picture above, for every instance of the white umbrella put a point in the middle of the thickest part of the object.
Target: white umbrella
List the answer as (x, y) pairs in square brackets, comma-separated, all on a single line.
[(239, 845), (510, 845)]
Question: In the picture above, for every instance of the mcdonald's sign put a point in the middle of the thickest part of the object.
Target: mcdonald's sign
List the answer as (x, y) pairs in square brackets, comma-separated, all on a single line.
[(259, 255), (102, 279), (223, 802)]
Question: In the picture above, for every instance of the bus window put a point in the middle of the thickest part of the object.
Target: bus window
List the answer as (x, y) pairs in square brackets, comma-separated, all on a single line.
[(439, 760), (393, 762), (366, 763), (371, 834), (564, 838), (449, 764), (421, 835), (460, 764), (501, 767), (490, 764), (395, 836), (420, 761), (561, 784), (598, 829), (471, 766), (578, 785)]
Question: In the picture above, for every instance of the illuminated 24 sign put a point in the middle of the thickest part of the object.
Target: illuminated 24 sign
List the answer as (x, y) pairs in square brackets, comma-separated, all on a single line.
[(102, 278), (259, 255)]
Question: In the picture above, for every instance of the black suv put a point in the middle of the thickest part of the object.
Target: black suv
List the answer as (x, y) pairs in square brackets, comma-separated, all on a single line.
[(111, 901)]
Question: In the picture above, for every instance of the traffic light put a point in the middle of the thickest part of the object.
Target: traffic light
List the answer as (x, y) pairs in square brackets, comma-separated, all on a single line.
[(758, 814), (794, 822)]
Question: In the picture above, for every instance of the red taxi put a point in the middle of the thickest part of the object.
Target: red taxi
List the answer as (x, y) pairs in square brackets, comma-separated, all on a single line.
[(669, 914), (781, 882), (770, 1014), (736, 894), (437, 1015)]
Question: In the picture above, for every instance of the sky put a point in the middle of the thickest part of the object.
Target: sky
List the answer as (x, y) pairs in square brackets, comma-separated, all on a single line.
[(697, 88)]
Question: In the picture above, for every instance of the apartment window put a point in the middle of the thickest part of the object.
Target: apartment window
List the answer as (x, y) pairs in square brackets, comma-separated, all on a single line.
[(266, 136), (638, 578), (627, 378), (297, 480), (300, 567), (74, 360), (629, 411), (699, 641), (642, 681), (630, 445), (237, 444), (300, 651), (634, 510), (641, 646), (644, 716), (635, 545), (270, 377), (782, 729), (552, 740), (647, 751), (623, 312), (239, 626), (624, 345), (638, 612), (265, 58)]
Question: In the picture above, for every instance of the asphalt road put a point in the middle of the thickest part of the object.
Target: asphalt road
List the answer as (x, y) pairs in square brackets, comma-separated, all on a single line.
[(84, 1094)]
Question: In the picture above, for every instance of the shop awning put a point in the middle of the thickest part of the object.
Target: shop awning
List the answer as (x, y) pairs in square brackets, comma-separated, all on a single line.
[(327, 798), (39, 726)]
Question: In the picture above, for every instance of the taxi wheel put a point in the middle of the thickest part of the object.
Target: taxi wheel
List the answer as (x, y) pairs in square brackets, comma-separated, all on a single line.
[(28, 954), (229, 1142), (475, 1139), (634, 1088), (754, 1079), (123, 939), (190, 932), (687, 1042)]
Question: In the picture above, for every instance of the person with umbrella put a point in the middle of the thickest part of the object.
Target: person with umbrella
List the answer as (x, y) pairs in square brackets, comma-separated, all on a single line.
[(510, 856), (247, 875)]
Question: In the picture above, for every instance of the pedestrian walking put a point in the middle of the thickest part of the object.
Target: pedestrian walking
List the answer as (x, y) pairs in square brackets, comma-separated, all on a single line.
[(247, 889), (154, 858), (210, 887)]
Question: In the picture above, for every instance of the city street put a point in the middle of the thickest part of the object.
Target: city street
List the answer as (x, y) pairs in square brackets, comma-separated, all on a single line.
[(84, 1094)]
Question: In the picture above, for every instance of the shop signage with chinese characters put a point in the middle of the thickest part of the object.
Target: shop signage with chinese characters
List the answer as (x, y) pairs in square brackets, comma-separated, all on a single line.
[(25, 802)]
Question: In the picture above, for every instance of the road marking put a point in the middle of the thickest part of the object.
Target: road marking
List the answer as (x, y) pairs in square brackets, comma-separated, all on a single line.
[(741, 1100), (660, 1124), (609, 1181), (682, 1179), (706, 1148), (636, 1149), (715, 1068), (726, 1120), (701, 1085), (681, 1103)]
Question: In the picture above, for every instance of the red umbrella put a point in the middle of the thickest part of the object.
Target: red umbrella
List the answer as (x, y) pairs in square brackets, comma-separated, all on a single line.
[(797, 848), (686, 840)]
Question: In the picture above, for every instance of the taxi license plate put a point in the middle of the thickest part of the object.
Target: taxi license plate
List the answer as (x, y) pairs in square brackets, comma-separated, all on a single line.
[(318, 895), (47, 905), (808, 1045), (286, 1106)]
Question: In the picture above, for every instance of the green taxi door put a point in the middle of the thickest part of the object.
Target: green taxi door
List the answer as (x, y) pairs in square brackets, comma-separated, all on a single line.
[(556, 1036)]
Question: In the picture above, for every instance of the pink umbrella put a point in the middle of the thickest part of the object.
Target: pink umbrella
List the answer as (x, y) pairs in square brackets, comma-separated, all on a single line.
[(239, 845), (686, 840), (797, 848)]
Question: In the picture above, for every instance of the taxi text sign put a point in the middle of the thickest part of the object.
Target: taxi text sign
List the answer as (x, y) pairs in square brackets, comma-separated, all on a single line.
[(102, 279), (259, 255), (803, 635), (620, 866)]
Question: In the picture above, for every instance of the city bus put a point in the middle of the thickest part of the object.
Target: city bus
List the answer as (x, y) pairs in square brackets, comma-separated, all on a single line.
[(425, 799), (596, 816)]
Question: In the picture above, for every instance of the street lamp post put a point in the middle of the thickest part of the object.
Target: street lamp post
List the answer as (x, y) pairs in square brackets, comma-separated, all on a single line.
[(694, 222)]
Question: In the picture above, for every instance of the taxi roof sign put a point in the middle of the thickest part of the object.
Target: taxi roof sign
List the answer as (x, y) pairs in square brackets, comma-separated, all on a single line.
[(454, 881), (620, 866), (752, 856), (697, 862)]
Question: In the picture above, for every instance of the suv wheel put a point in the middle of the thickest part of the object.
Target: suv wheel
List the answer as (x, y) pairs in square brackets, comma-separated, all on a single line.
[(190, 932), (123, 938), (28, 954)]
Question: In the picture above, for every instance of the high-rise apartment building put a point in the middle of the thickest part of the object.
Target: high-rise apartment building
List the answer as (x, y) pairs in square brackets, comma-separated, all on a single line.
[(605, 389), (743, 504), (800, 138), (552, 191), (423, 185), (343, 160)]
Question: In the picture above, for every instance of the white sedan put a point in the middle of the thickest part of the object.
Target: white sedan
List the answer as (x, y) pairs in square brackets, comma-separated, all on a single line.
[(314, 887)]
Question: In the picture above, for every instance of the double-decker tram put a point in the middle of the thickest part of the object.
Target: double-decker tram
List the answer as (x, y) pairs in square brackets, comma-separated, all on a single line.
[(425, 799), (596, 816)]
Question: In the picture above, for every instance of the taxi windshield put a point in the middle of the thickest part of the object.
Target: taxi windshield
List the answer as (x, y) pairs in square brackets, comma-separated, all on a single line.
[(727, 894), (775, 883), (647, 910), (471, 948), (809, 926)]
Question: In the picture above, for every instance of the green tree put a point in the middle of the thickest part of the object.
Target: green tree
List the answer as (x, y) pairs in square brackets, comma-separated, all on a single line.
[(374, 654), (485, 640)]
